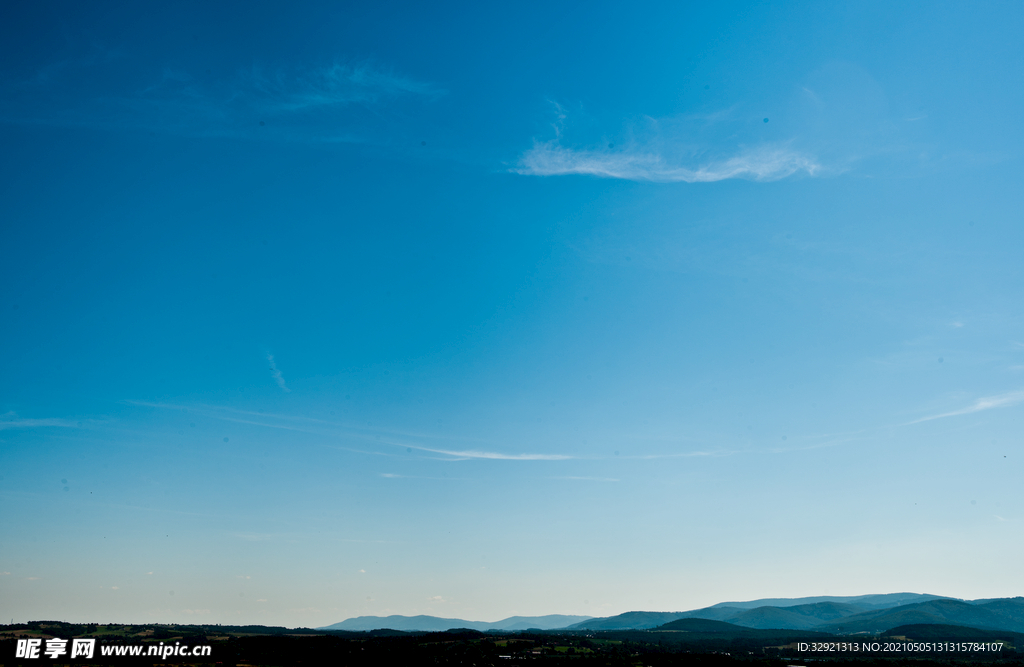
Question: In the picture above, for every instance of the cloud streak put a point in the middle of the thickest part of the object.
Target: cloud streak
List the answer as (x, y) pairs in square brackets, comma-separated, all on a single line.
[(11, 420), (276, 374), (393, 439), (496, 456), (986, 403), (765, 163), (328, 87), (323, 104)]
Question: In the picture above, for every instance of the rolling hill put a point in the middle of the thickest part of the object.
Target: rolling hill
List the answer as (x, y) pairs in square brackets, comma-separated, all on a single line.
[(1004, 614), (874, 601), (830, 614), (436, 624)]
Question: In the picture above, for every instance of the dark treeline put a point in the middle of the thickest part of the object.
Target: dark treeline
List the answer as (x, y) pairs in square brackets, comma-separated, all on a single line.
[(262, 646)]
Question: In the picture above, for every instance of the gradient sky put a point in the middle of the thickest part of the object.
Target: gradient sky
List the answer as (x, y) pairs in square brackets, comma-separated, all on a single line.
[(478, 310)]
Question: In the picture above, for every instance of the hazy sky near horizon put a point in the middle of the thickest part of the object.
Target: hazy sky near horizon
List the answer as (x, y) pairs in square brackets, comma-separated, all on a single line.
[(326, 310)]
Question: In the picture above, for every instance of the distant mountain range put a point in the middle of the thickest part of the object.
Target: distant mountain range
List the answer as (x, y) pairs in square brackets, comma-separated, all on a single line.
[(836, 615), (883, 601), (435, 624)]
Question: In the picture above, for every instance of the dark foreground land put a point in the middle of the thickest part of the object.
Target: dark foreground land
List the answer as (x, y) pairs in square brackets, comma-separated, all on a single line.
[(697, 644)]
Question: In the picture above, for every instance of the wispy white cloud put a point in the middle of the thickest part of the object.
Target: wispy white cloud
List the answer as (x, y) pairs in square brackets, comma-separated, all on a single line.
[(476, 454), (393, 438), (217, 411), (276, 374), (11, 420), (266, 102), (837, 117), (281, 91), (639, 163), (985, 403)]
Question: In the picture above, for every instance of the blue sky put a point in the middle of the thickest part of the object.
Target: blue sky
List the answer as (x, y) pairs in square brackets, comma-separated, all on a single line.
[(473, 311)]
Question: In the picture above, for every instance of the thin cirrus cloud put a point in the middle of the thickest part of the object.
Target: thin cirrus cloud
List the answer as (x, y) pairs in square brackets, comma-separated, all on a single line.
[(401, 441), (295, 103), (765, 163), (327, 87), (477, 454), (276, 374), (11, 420), (985, 403)]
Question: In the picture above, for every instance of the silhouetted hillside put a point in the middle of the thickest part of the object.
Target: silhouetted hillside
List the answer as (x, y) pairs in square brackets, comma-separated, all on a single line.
[(702, 625), (631, 620), (435, 624), (842, 615), (774, 617), (874, 601), (955, 633), (1005, 614)]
